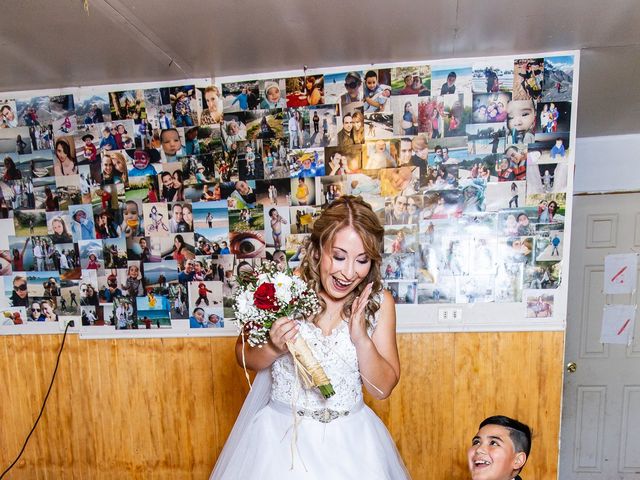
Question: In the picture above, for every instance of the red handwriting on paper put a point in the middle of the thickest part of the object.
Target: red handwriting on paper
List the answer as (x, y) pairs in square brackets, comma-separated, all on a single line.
[(624, 326), (613, 279)]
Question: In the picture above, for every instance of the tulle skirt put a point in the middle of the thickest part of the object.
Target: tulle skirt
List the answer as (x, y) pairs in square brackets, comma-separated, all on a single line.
[(354, 446)]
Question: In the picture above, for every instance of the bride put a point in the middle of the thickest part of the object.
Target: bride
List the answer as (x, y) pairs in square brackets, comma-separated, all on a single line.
[(285, 431)]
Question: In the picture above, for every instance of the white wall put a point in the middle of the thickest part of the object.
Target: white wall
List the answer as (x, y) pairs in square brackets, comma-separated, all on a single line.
[(607, 164)]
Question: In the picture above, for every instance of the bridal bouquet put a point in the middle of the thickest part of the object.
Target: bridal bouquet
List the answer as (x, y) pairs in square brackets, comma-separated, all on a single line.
[(266, 294)]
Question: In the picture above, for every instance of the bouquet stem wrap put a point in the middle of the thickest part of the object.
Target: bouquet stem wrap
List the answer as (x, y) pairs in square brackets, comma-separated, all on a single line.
[(309, 368)]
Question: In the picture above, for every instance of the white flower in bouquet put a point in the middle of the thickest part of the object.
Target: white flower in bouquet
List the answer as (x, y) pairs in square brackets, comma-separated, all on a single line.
[(283, 284), (244, 303)]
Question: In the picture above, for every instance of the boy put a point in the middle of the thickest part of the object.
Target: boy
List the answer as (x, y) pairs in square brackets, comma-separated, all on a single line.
[(521, 119), (375, 95), (202, 294), (499, 450), (89, 149), (558, 148), (197, 319), (141, 165), (273, 96), (449, 86), (309, 168), (250, 157), (171, 144), (276, 227)]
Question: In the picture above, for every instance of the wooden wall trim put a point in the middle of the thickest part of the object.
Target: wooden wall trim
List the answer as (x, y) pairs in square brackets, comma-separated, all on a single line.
[(162, 408)]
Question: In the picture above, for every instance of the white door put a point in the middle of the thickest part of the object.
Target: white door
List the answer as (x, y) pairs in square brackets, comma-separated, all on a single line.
[(600, 432)]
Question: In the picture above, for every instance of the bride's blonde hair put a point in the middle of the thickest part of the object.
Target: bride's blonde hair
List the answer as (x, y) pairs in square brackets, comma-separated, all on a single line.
[(346, 211)]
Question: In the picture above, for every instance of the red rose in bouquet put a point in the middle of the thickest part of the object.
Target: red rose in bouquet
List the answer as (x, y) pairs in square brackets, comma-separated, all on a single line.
[(265, 297)]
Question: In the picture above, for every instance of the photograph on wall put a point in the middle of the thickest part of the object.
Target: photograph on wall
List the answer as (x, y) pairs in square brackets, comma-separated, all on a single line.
[(492, 76), (558, 79), (240, 96), (210, 107), (63, 114), (528, 78), (539, 306), (33, 111), (411, 80), (8, 113), (449, 80), (304, 91)]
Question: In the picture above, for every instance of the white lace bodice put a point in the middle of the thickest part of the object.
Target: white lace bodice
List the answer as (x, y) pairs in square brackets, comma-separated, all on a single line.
[(337, 355)]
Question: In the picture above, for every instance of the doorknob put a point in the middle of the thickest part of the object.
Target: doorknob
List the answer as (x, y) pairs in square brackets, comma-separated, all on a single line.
[(572, 367)]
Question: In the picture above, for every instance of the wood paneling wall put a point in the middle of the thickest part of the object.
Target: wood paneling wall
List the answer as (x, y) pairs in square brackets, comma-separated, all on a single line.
[(162, 408)]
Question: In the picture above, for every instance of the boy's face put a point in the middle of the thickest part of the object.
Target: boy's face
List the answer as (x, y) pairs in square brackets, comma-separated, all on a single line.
[(273, 94), (514, 155), (372, 83), (243, 188), (521, 115), (141, 161), (233, 127), (451, 80), (170, 142), (492, 455)]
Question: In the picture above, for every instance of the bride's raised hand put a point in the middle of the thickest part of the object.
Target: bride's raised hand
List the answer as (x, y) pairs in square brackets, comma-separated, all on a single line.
[(357, 320)]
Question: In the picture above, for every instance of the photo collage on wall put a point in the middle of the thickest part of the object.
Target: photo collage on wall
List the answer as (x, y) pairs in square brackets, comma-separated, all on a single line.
[(135, 207)]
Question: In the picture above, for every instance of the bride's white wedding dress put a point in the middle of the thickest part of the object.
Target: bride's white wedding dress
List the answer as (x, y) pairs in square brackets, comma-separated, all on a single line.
[(339, 438)]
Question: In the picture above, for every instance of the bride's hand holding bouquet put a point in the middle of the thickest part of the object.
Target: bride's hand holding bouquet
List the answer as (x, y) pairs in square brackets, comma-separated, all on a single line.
[(268, 306)]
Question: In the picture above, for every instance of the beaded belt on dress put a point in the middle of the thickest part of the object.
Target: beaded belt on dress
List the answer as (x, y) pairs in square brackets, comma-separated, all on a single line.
[(323, 415)]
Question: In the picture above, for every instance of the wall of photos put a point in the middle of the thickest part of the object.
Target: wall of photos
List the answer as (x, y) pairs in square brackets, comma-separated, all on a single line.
[(131, 208)]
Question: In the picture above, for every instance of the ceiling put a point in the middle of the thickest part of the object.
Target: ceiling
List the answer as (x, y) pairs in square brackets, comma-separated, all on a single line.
[(48, 44)]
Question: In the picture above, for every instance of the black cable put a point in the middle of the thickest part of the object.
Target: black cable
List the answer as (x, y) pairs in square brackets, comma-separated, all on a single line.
[(44, 403)]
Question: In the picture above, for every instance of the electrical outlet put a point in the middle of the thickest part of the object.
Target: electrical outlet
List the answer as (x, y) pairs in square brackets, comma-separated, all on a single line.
[(451, 314), (62, 322)]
